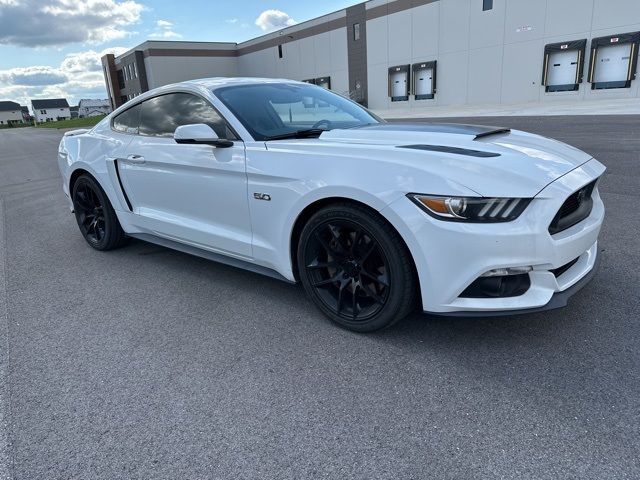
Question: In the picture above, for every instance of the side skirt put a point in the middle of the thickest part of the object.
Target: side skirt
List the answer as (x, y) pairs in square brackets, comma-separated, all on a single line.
[(215, 257)]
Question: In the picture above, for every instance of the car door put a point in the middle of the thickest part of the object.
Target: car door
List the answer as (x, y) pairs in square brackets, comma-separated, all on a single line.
[(195, 194)]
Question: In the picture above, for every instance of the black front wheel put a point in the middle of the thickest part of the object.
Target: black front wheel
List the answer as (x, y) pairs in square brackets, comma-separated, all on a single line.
[(356, 268), (96, 218)]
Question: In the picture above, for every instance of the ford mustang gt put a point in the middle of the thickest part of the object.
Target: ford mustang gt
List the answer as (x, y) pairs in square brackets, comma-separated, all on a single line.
[(374, 219)]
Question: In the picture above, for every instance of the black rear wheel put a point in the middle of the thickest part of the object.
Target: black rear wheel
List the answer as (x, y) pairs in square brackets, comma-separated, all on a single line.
[(96, 218), (356, 268)]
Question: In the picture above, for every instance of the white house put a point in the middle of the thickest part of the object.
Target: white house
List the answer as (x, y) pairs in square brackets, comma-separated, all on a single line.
[(93, 108), (10, 114), (50, 110)]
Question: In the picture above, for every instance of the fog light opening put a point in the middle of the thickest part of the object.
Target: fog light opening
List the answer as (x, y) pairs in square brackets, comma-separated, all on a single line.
[(505, 272)]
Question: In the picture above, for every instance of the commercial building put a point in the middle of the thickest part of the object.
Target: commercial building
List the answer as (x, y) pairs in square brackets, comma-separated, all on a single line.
[(410, 54), (10, 114), (49, 110)]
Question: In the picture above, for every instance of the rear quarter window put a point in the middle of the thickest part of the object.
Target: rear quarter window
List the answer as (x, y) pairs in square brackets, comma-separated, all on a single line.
[(127, 121)]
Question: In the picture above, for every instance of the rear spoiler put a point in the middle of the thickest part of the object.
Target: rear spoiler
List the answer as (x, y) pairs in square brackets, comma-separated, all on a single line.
[(488, 133)]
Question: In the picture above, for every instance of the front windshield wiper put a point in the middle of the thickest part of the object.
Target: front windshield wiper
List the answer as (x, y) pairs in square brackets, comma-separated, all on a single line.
[(308, 133)]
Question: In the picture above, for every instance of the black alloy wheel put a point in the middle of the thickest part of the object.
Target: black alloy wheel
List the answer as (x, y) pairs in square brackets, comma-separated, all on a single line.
[(356, 268), (96, 218)]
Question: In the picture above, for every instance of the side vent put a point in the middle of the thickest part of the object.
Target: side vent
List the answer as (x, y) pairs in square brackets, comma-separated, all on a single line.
[(124, 193)]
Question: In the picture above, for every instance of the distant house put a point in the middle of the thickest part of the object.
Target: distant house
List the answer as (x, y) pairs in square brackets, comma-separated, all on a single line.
[(10, 114), (74, 111), (50, 110), (93, 108)]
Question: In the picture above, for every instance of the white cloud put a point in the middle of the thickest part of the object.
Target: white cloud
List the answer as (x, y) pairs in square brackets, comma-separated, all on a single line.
[(78, 76), (29, 23), (274, 20), (232, 21), (88, 61), (165, 30), (165, 34), (32, 76)]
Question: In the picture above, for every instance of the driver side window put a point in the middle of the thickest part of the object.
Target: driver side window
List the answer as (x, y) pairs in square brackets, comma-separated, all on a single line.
[(160, 116)]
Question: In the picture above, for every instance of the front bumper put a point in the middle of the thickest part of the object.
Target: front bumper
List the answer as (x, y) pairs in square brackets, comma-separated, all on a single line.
[(450, 256)]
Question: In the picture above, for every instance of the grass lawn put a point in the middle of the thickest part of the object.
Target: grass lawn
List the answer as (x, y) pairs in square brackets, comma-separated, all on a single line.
[(73, 123)]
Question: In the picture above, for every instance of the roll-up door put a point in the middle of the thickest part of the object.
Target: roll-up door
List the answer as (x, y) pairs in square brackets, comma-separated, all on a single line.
[(399, 83), (614, 61), (424, 80), (563, 66)]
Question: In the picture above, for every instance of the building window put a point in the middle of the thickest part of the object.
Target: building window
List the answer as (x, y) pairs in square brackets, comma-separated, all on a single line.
[(43, 112), (135, 71), (279, 51), (120, 79), (487, 5), (356, 32)]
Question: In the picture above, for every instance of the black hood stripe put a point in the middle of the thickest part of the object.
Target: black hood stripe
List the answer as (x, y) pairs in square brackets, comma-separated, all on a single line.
[(477, 131), (453, 150)]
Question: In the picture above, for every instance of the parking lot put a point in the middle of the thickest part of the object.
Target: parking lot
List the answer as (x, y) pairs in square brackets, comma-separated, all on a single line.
[(147, 363)]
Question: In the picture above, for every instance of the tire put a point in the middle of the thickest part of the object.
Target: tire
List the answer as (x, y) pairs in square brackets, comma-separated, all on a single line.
[(96, 218), (356, 268)]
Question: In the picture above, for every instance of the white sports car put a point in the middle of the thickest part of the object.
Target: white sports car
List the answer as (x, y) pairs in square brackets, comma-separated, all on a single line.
[(373, 218)]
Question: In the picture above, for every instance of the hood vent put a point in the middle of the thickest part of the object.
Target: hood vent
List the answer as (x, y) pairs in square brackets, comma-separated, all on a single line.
[(453, 150), (496, 131)]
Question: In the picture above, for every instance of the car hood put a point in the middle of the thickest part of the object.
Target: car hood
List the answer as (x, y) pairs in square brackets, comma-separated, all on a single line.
[(491, 161)]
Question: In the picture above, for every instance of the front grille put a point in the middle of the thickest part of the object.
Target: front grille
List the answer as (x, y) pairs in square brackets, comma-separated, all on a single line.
[(560, 270), (575, 209)]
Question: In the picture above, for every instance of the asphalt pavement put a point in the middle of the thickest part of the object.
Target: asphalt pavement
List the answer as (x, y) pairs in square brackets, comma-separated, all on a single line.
[(145, 363)]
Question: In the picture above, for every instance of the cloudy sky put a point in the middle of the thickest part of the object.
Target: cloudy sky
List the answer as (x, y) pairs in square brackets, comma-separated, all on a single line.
[(52, 48)]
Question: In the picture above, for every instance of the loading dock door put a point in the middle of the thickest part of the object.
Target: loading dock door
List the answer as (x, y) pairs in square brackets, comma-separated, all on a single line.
[(324, 82), (614, 61), (424, 80), (612, 64), (399, 83), (563, 68)]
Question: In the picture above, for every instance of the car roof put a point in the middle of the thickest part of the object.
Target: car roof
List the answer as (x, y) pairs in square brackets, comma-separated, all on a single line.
[(211, 84), (219, 82)]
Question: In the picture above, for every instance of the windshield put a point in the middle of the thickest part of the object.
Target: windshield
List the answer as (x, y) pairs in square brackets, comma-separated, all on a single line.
[(279, 109)]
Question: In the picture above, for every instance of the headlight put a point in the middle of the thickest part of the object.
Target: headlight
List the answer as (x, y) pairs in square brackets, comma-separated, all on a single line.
[(471, 209)]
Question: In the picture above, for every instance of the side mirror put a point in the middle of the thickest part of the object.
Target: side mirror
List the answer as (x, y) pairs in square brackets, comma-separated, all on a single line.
[(200, 134)]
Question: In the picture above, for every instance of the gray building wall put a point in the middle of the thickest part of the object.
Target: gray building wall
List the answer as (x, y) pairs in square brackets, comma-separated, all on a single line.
[(483, 57), (494, 56), (310, 50)]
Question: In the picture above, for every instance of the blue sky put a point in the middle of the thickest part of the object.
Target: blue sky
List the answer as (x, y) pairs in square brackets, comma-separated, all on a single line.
[(51, 48)]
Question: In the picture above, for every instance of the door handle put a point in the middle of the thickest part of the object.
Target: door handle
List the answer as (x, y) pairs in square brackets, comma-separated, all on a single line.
[(138, 159)]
